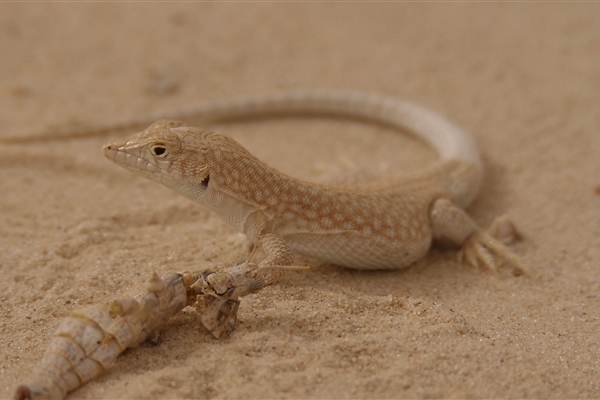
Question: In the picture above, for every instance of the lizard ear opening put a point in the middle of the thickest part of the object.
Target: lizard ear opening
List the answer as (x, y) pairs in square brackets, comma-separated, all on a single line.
[(204, 182)]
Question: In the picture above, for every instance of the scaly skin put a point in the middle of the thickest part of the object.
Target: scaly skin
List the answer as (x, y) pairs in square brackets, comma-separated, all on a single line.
[(385, 224), (382, 225)]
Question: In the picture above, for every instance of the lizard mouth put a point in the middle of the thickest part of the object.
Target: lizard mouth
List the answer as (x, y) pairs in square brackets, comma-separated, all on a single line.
[(157, 171), (134, 163), (126, 159)]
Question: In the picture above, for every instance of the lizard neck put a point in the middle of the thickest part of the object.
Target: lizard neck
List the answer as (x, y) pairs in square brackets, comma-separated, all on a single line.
[(239, 185)]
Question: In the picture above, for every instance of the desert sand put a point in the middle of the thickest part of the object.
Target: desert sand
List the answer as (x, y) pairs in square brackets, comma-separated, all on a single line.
[(75, 229)]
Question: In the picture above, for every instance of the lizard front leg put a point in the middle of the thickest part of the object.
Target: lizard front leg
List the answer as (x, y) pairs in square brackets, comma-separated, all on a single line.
[(278, 254), (450, 223)]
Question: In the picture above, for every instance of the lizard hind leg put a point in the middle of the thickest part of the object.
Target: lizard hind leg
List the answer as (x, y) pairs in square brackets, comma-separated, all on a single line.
[(478, 248)]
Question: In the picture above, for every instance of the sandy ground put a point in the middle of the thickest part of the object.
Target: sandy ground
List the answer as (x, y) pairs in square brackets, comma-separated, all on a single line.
[(74, 229)]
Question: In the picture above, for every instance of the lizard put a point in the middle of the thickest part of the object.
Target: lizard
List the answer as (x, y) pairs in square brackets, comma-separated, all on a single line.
[(386, 224)]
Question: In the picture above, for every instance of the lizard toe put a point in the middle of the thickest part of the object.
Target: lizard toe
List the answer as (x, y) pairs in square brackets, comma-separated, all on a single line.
[(481, 249)]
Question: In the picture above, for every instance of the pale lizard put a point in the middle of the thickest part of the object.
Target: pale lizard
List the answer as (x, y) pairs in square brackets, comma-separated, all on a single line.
[(385, 224)]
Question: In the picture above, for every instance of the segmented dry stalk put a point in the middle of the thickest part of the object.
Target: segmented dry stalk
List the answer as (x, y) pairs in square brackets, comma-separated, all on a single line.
[(92, 337)]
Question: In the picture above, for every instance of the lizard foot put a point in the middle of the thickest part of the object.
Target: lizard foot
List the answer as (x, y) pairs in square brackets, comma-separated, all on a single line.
[(481, 248)]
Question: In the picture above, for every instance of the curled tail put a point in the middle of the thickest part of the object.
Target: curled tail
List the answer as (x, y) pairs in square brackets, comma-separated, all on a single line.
[(459, 170), (460, 174)]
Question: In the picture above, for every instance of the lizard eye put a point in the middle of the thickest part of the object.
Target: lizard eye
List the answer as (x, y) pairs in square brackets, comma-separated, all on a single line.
[(159, 150)]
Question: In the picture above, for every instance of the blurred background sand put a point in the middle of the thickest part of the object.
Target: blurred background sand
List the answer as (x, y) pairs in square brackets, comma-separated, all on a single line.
[(75, 229)]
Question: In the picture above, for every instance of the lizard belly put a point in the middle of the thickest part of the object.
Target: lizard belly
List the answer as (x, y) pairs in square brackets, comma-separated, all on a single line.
[(360, 251)]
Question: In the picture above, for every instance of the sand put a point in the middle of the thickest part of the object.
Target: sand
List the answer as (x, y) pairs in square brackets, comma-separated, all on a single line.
[(522, 78)]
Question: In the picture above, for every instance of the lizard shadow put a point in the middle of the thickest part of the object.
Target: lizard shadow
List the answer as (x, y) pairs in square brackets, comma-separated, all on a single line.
[(436, 275)]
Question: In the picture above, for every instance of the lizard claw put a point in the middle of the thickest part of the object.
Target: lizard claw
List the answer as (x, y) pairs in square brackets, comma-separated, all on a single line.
[(481, 248)]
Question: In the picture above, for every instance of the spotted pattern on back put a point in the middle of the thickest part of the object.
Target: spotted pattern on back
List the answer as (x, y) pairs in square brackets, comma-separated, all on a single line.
[(317, 220)]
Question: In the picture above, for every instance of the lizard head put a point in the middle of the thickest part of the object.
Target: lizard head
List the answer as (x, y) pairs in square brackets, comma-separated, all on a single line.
[(168, 152)]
